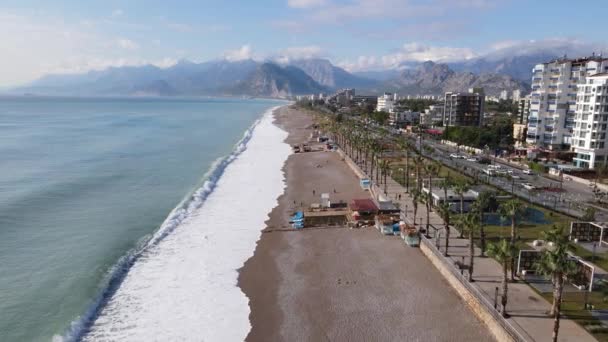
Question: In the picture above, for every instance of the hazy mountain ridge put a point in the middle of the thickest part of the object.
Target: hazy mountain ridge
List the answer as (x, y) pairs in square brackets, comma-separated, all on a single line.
[(270, 79), (437, 79)]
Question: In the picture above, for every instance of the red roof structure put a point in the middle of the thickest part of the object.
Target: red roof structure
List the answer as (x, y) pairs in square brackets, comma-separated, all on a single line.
[(364, 206)]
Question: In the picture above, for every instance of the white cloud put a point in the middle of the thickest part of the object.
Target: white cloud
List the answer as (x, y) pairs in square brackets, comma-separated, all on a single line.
[(298, 52), (410, 52), (572, 47), (127, 44), (35, 44), (242, 53), (305, 3)]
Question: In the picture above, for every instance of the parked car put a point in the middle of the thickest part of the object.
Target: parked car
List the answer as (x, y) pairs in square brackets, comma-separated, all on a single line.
[(454, 155), (528, 186), (528, 172), (472, 159)]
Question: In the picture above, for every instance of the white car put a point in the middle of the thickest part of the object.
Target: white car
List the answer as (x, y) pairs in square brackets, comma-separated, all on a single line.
[(454, 155), (528, 186), (472, 159), (528, 172)]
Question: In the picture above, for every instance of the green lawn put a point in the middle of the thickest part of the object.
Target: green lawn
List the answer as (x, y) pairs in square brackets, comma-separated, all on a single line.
[(573, 308)]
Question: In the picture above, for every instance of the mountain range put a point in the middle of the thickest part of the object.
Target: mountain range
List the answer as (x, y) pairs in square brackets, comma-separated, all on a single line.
[(280, 80)]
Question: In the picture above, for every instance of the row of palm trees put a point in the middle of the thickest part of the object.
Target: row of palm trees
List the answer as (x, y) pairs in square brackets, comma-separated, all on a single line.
[(366, 148)]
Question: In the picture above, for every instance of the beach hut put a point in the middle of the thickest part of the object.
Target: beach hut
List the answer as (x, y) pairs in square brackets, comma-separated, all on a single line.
[(363, 210), (297, 220), (409, 234), (365, 183), (325, 203), (384, 224)]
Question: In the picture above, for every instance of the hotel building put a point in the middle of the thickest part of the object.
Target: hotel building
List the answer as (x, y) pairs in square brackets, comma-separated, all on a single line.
[(591, 122), (464, 109), (553, 99)]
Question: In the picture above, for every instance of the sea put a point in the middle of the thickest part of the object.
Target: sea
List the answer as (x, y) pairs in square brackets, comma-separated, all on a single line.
[(127, 219)]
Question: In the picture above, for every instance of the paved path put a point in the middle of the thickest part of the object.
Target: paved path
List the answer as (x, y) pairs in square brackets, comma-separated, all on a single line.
[(528, 309)]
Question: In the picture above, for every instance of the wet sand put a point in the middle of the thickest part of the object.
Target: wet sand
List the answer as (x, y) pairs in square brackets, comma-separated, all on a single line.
[(343, 284)]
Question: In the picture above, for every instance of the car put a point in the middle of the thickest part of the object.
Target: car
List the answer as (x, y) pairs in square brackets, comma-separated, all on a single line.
[(515, 177), (454, 155), (528, 172), (472, 159), (528, 186)]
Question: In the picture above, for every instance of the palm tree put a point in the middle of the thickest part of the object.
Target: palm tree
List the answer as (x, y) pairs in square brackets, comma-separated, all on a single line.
[(481, 204), (406, 146), (444, 212), (556, 263), (431, 169), (511, 209), (471, 221), (416, 198), (419, 163), (385, 166), (460, 189), (503, 252)]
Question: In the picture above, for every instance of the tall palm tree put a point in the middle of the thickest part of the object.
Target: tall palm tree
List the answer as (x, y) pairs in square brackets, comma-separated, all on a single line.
[(503, 252), (511, 209), (405, 145), (419, 164), (385, 166), (556, 263), (481, 204), (431, 169), (471, 221), (444, 212), (416, 196), (460, 189)]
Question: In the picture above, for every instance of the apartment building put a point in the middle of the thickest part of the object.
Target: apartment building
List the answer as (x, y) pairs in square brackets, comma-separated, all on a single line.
[(464, 109), (386, 103), (553, 99), (591, 122)]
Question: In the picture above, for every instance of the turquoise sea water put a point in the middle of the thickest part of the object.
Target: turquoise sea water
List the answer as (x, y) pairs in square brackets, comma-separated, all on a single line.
[(83, 181)]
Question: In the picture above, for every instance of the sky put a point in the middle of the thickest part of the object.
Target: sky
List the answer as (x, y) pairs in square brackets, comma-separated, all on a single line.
[(39, 37)]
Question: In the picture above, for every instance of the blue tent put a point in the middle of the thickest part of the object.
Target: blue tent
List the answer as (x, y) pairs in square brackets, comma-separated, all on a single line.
[(297, 220)]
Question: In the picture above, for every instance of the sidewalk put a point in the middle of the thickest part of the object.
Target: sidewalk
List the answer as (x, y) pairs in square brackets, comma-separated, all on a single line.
[(526, 307)]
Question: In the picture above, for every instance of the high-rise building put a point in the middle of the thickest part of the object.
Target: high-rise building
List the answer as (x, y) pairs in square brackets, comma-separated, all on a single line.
[(516, 95), (504, 95), (591, 122), (553, 99), (464, 109), (386, 103), (523, 110)]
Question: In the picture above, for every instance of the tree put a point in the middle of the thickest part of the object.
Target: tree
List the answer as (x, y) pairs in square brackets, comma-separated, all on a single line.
[(416, 198), (481, 204), (503, 252), (405, 145), (460, 189), (444, 212), (471, 221), (431, 169), (512, 209), (589, 214), (556, 263), (385, 166)]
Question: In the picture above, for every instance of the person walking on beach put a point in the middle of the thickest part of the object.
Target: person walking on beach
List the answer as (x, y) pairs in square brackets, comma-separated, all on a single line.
[(313, 192)]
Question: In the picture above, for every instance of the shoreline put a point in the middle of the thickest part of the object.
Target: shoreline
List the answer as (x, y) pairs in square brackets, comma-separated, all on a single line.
[(342, 284)]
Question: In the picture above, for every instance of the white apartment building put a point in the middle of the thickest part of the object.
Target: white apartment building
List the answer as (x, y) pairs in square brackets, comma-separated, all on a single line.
[(504, 95), (432, 115), (404, 117), (553, 99), (591, 122), (386, 103), (516, 95)]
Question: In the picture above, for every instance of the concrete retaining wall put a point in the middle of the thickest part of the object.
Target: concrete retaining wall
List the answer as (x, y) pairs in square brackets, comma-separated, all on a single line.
[(474, 304)]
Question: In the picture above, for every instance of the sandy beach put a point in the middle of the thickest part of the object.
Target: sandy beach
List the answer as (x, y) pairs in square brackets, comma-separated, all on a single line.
[(343, 284)]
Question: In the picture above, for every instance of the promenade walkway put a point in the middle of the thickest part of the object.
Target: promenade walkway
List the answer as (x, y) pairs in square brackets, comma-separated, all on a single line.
[(528, 309)]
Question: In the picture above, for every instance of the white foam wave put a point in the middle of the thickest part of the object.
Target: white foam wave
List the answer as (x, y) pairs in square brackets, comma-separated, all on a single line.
[(181, 283)]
